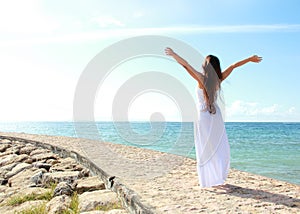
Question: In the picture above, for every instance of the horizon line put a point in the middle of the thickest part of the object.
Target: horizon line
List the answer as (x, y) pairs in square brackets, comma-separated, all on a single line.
[(134, 121)]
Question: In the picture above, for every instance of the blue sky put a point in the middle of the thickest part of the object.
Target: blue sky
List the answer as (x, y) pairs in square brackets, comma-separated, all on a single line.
[(45, 46)]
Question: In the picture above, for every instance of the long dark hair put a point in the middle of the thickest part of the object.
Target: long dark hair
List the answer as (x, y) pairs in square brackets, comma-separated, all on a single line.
[(212, 81)]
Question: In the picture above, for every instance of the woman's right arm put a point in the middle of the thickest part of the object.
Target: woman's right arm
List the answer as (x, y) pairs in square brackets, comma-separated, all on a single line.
[(228, 71), (193, 72)]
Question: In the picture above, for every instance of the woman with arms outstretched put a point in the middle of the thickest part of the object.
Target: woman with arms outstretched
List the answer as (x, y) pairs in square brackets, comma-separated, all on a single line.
[(211, 142)]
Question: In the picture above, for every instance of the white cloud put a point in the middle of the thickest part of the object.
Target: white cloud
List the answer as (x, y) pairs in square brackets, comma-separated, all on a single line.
[(291, 110), (269, 110), (241, 110), (107, 21)]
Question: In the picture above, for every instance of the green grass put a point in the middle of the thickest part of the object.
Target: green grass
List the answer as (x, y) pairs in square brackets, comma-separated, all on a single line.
[(109, 206), (74, 205), (20, 199), (40, 209)]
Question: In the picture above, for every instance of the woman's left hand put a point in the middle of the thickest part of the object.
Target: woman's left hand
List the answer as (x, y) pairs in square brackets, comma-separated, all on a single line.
[(255, 58)]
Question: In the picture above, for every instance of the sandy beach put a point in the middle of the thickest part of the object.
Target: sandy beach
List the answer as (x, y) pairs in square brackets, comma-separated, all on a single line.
[(169, 183)]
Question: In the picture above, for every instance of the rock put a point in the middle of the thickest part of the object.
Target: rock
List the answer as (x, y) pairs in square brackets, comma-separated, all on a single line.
[(5, 141), (27, 205), (21, 158), (52, 161), (85, 172), (66, 164), (34, 190), (90, 200), (36, 179), (42, 165), (9, 167), (114, 211), (13, 158), (18, 168), (3, 181), (3, 154), (22, 178), (2, 196), (5, 169), (46, 156), (3, 147), (27, 149), (39, 151), (58, 204), (25, 168), (14, 149), (63, 188), (89, 184), (56, 177), (8, 159)]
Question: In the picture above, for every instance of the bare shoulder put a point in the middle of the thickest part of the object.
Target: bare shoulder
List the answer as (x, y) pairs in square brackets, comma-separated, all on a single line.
[(200, 80)]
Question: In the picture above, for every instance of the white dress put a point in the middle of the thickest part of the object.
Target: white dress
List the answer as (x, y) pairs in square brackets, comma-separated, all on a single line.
[(211, 143)]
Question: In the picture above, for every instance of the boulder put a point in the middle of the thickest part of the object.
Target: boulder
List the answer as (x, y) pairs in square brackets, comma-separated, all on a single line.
[(39, 151), (27, 149), (27, 205), (40, 165), (5, 141), (12, 158), (90, 200), (63, 188), (66, 164), (22, 178), (14, 149), (5, 169), (58, 204), (44, 156), (89, 184), (3, 147), (114, 211), (7, 159), (18, 168), (56, 177), (52, 161), (37, 178), (34, 190), (21, 158), (3, 181)]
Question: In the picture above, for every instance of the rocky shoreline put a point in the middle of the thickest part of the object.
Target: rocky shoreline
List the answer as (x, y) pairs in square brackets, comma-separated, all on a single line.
[(36, 180), (175, 188)]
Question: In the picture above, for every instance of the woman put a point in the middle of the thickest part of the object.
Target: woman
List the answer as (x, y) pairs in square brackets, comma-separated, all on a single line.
[(212, 147)]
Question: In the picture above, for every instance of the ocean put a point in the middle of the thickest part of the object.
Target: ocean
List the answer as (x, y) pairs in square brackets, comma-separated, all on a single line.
[(269, 149)]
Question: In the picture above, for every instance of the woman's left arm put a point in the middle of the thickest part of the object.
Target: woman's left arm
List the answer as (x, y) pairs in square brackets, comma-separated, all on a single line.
[(228, 71)]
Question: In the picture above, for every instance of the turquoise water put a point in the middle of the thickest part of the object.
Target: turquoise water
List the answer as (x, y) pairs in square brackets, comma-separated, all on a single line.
[(270, 149)]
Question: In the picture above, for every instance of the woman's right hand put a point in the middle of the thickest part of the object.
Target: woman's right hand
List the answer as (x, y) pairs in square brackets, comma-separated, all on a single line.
[(169, 51)]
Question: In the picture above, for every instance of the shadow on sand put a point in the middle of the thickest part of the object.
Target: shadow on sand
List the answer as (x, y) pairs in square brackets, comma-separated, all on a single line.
[(260, 195)]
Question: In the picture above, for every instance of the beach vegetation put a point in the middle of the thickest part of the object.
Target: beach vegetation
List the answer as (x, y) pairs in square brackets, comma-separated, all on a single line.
[(109, 206), (40, 209), (20, 199), (74, 205)]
